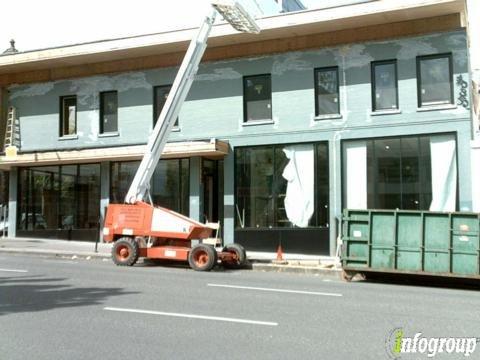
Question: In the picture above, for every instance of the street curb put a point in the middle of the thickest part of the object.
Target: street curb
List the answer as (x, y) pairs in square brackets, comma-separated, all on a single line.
[(55, 253), (309, 270), (334, 274)]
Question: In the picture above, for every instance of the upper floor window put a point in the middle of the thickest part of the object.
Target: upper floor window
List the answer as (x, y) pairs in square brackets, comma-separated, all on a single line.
[(257, 98), (435, 75), (68, 115), (160, 95), (384, 85), (108, 112), (327, 100)]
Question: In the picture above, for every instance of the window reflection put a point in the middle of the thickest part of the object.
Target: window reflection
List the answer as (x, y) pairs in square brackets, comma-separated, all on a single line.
[(263, 177), (108, 111), (68, 115), (169, 187), (384, 86), (399, 173), (435, 80), (59, 197), (4, 176), (121, 176), (327, 91), (160, 95), (257, 97)]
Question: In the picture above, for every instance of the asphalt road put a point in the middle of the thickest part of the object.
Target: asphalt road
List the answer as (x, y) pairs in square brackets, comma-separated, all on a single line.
[(79, 309)]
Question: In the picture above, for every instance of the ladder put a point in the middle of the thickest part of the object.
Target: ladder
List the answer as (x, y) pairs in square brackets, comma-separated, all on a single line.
[(10, 131)]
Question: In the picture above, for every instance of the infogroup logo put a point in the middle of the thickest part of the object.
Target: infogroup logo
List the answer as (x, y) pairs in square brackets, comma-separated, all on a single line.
[(397, 344)]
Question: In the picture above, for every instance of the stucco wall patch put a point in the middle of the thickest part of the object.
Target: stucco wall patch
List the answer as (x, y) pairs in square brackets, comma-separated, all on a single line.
[(87, 88), (353, 56), (17, 91), (219, 74), (290, 62)]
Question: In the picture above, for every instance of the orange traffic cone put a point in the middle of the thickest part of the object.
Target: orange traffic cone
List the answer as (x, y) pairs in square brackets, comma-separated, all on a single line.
[(280, 253)]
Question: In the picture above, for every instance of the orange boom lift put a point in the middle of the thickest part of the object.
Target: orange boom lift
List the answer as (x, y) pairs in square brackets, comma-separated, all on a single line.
[(140, 229)]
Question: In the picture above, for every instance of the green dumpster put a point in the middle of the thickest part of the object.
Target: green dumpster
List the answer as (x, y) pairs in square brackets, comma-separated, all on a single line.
[(411, 242)]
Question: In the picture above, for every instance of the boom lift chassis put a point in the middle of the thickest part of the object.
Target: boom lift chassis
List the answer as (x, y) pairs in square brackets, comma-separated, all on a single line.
[(140, 229)]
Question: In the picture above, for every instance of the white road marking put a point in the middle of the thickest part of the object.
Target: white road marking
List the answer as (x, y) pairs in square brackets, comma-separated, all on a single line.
[(276, 290), (14, 270), (191, 316)]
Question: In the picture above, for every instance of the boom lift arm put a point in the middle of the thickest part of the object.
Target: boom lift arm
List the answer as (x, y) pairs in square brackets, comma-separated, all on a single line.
[(166, 120), (138, 229), (240, 20)]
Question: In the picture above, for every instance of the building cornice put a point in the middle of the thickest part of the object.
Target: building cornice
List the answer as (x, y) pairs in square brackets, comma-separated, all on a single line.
[(379, 19)]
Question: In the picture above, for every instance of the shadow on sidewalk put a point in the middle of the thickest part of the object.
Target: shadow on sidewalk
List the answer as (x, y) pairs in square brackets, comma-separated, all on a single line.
[(23, 294)]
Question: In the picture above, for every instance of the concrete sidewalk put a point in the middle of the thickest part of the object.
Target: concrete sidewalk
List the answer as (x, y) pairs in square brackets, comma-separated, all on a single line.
[(294, 263)]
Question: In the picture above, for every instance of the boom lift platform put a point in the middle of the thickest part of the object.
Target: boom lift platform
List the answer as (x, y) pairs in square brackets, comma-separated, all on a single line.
[(140, 229)]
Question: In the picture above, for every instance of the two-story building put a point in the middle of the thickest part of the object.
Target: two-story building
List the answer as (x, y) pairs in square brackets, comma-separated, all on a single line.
[(364, 105)]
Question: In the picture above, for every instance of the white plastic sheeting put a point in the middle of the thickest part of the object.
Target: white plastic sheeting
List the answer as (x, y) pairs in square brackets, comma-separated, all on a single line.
[(356, 174), (444, 173), (299, 172), (475, 160)]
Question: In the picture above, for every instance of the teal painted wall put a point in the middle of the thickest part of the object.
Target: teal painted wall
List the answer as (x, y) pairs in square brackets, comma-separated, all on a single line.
[(214, 107)]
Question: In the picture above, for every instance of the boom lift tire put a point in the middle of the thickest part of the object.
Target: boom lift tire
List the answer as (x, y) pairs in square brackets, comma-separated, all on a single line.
[(125, 251), (202, 257), (240, 254)]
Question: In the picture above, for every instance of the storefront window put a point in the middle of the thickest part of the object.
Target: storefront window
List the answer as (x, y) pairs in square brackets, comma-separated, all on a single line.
[(169, 188), (282, 186), (121, 176), (59, 197), (408, 173), (88, 187), (3, 188), (67, 197), (395, 169)]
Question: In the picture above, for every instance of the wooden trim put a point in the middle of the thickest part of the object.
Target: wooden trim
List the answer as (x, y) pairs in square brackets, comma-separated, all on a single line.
[(214, 149), (314, 41)]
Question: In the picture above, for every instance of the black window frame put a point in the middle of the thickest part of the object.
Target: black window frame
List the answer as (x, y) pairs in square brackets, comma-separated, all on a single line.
[(57, 193), (183, 208), (419, 78), (342, 163), (245, 78), (62, 114), (102, 103), (176, 126), (316, 71), (373, 87)]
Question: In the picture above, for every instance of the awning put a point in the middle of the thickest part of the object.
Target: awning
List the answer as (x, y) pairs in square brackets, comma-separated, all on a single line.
[(214, 149)]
